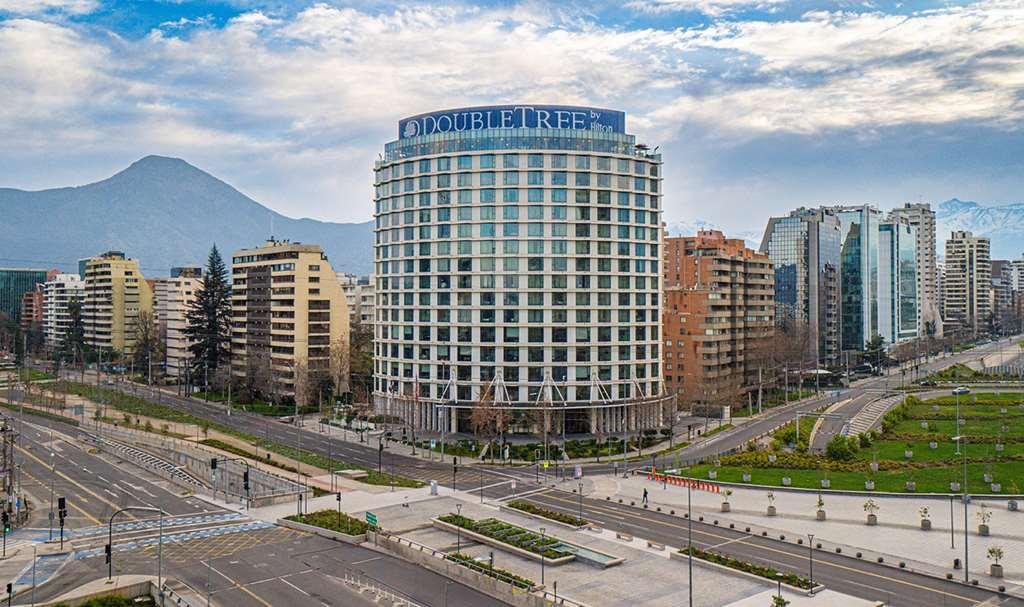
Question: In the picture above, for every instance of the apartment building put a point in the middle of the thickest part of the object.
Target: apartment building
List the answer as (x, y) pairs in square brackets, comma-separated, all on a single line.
[(31, 313), (58, 293), (359, 295), (116, 295), (174, 297), (290, 321), (968, 278), (719, 307)]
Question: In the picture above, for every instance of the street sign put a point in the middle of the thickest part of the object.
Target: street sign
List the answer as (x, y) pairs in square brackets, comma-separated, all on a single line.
[(546, 464), (371, 519)]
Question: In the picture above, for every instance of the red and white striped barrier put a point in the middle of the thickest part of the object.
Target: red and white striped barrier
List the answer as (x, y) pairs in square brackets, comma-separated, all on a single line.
[(680, 481)]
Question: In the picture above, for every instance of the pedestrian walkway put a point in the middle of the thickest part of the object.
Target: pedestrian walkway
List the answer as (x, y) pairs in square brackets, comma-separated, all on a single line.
[(871, 415), (45, 566)]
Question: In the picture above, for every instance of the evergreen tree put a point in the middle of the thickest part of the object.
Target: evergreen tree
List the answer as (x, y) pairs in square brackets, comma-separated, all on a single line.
[(209, 320)]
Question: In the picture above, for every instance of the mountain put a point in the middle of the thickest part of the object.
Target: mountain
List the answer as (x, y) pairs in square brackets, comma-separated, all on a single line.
[(163, 212), (1004, 225)]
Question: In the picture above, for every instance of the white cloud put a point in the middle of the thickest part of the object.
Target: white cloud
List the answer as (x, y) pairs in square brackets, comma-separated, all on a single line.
[(713, 8), (295, 108), (34, 7)]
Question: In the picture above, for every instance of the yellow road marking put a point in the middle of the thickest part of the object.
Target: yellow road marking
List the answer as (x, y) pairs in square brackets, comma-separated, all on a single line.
[(776, 550), (72, 503), (72, 481)]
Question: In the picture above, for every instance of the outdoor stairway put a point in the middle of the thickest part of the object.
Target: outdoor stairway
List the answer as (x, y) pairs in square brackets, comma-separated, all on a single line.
[(146, 460), (870, 415)]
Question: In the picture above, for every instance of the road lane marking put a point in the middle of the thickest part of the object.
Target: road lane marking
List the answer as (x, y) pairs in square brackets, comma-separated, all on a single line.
[(788, 554), (70, 502), (294, 586), (236, 584), (72, 481)]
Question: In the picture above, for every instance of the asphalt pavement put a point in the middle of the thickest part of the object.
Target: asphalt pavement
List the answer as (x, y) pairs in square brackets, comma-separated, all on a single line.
[(843, 573)]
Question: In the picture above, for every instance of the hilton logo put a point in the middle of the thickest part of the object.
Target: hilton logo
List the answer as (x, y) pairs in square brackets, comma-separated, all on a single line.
[(412, 128)]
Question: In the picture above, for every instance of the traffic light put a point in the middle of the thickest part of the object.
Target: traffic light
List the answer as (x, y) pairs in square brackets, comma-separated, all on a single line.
[(380, 447), (213, 463), (245, 479), (10, 589), (7, 522), (106, 551), (62, 503)]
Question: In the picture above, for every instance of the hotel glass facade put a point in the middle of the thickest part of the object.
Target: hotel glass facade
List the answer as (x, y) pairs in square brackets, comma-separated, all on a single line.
[(520, 267), (897, 282)]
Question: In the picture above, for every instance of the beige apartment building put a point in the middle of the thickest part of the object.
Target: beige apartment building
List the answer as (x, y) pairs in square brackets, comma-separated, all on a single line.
[(290, 321), (116, 294), (174, 297), (967, 305)]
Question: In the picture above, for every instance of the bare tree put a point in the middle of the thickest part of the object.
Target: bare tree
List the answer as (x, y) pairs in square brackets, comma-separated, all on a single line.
[(487, 419), (148, 345)]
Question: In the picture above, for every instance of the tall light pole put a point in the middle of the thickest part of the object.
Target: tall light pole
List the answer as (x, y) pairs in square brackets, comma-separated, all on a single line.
[(581, 503), (458, 528), (964, 498), (689, 537), (957, 437), (810, 556), (160, 545), (542, 538)]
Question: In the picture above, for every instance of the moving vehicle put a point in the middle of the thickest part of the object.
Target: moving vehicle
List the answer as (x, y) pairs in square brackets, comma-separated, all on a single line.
[(960, 390)]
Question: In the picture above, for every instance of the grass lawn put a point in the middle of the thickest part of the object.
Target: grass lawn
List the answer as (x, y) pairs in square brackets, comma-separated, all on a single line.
[(931, 470)]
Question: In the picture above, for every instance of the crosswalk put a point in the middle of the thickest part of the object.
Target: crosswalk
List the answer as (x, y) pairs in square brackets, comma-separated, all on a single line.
[(154, 523), (176, 538)]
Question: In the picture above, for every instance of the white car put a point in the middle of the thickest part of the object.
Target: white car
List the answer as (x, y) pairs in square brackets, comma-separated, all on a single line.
[(959, 390)]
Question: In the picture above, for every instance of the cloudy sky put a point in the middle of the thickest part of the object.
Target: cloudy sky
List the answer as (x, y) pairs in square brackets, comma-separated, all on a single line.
[(758, 105)]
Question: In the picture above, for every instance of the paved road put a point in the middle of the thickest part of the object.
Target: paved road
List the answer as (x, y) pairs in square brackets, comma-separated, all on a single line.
[(829, 427), (249, 558), (849, 575)]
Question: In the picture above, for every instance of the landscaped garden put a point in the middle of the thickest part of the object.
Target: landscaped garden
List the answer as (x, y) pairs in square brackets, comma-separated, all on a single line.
[(490, 570), (913, 451), (332, 520), (509, 534), (962, 374), (759, 570), (536, 510)]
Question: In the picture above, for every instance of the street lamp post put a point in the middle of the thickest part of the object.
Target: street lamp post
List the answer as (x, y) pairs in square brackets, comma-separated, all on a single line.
[(963, 488), (542, 538), (689, 538), (581, 503), (160, 545), (458, 530), (810, 556), (778, 577)]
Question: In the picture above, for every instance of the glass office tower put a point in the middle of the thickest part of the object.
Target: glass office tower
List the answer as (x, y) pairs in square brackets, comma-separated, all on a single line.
[(804, 247), (858, 275), (517, 267), (897, 282)]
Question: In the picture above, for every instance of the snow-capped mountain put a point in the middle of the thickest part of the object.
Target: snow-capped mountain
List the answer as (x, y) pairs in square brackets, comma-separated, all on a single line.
[(1004, 225)]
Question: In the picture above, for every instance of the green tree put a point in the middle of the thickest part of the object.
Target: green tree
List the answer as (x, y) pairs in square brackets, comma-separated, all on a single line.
[(875, 351), (209, 320), (148, 345), (841, 448)]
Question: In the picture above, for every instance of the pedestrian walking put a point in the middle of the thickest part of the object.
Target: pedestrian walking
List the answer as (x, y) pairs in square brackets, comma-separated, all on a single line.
[(644, 499)]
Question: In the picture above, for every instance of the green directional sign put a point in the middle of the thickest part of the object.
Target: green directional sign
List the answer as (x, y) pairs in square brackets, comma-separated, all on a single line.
[(371, 519)]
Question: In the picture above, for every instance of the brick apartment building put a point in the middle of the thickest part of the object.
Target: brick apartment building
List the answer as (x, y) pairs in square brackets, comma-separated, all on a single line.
[(719, 306)]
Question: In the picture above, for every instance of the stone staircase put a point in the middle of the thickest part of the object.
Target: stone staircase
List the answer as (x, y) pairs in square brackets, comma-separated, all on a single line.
[(870, 415)]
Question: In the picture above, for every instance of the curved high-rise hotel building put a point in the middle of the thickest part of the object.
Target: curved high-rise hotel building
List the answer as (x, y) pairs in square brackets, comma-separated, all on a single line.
[(518, 258)]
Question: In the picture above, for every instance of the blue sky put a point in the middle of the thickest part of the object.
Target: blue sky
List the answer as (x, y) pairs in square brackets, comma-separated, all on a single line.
[(759, 106)]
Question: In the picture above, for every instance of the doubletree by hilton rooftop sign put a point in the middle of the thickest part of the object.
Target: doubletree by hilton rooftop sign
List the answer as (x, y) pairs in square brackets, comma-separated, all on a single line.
[(513, 117)]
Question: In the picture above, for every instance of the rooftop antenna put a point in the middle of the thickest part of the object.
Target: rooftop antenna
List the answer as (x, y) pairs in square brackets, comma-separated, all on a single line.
[(271, 226)]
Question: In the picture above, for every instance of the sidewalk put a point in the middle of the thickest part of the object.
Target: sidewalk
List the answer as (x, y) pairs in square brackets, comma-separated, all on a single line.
[(897, 537)]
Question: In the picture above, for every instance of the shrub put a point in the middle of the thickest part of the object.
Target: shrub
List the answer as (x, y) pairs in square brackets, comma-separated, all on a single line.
[(550, 514), (841, 448), (766, 572)]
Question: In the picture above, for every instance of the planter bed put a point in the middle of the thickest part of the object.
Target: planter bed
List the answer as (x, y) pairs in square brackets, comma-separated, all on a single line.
[(505, 536), (768, 573), (498, 574), (534, 511)]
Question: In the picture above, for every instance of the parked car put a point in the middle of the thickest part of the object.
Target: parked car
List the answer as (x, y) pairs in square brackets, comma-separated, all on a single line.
[(959, 390), (926, 382)]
